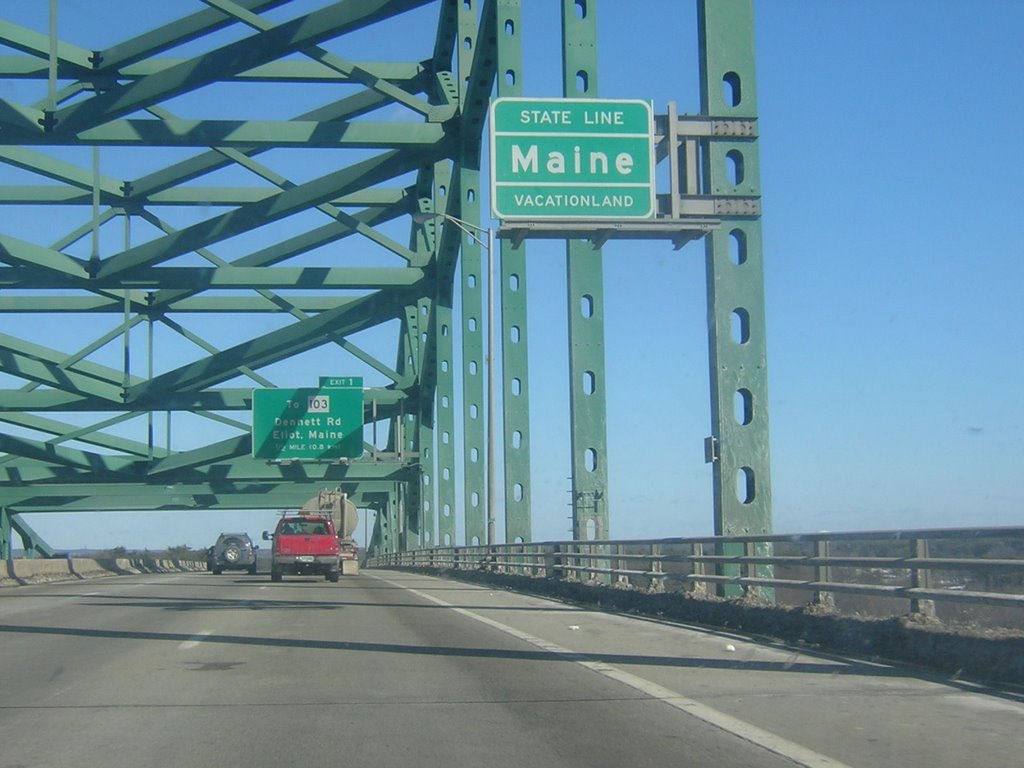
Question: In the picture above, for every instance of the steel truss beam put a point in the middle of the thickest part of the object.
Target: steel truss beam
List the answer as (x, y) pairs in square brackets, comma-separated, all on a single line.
[(223, 221), (160, 259)]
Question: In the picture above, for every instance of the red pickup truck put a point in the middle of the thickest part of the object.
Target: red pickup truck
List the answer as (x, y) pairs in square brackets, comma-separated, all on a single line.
[(304, 544)]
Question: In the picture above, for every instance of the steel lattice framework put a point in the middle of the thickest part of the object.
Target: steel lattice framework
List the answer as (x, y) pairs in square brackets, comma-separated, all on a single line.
[(227, 204)]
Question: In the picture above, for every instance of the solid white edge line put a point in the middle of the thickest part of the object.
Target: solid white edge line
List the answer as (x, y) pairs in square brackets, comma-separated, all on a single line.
[(740, 728)]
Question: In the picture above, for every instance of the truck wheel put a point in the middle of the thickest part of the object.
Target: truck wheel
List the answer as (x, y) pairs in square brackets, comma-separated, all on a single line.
[(275, 575), (333, 576)]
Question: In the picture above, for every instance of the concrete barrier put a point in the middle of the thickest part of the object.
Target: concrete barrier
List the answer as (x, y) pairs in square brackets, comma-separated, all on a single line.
[(6, 576), (38, 570), (124, 566), (87, 568), (23, 571)]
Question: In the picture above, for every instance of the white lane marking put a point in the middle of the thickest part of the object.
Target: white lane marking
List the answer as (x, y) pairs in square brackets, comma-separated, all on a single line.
[(980, 704), (195, 640), (798, 753)]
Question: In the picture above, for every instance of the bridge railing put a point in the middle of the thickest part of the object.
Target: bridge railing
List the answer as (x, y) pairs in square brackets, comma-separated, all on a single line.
[(927, 567)]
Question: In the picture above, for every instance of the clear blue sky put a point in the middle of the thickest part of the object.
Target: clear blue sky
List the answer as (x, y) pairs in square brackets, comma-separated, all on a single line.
[(891, 170)]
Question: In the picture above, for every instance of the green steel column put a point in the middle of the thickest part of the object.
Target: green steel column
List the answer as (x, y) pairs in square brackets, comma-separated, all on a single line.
[(445, 366), (378, 538), (425, 438), (446, 485), (735, 280), (390, 523), (586, 308), (401, 511), (373, 546), (471, 291), (410, 365), (513, 295), (6, 545)]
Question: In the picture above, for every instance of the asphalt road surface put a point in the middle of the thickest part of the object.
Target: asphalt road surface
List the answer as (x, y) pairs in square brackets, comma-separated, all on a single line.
[(391, 669)]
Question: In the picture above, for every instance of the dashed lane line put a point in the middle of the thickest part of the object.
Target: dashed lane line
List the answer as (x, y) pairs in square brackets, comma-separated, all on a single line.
[(195, 640)]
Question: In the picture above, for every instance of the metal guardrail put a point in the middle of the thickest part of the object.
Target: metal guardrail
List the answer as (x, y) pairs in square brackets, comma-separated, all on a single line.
[(925, 566)]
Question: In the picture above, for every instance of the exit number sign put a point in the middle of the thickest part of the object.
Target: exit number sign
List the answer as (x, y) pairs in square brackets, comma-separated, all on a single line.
[(572, 159)]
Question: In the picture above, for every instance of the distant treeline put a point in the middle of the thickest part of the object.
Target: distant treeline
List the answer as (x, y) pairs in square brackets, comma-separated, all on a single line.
[(178, 552), (964, 549)]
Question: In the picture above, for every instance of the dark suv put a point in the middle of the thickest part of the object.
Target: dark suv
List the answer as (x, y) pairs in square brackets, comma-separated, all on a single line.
[(232, 552)]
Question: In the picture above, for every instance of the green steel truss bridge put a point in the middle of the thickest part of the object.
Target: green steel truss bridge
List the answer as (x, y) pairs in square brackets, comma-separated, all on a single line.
[(225, 202)]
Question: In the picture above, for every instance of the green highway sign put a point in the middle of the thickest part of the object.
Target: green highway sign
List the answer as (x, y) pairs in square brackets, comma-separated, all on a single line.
[(341, 382), (312, 424), (572, 159)]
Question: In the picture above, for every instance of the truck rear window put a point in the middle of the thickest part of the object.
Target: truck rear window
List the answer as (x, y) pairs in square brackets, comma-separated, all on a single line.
[(304, 528)]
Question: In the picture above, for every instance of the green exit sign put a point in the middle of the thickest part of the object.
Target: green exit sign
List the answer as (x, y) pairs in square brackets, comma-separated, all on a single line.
[(321, 424), (572, 159), (341, 382)]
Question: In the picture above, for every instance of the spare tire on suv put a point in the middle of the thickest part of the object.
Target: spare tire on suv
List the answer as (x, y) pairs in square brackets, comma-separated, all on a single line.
[(233, 552)]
